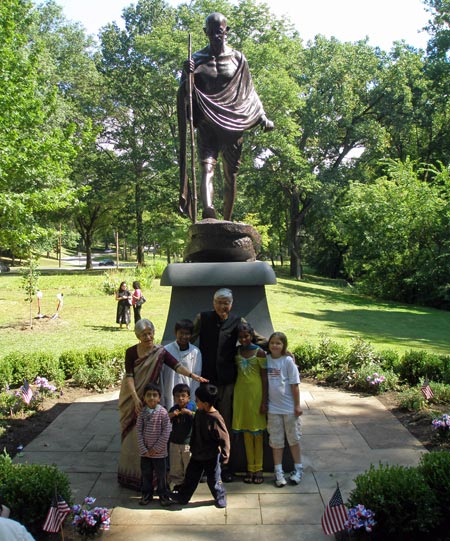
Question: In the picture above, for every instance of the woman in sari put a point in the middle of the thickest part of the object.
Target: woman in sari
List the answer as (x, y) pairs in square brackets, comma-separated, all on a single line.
[(143, 364)]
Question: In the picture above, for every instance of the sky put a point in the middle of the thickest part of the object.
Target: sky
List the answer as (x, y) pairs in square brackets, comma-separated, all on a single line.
[(382, 21)]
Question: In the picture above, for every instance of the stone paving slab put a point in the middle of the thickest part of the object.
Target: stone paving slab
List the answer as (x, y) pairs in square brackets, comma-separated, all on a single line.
[(343, 433)]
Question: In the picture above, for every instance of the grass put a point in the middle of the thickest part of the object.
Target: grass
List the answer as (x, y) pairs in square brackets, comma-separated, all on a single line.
[(303, 310)]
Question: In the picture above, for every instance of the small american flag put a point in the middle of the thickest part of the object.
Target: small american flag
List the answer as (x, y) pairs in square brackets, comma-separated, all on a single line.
[(335, 514), (426, 390), (56, 515), (26, 393)]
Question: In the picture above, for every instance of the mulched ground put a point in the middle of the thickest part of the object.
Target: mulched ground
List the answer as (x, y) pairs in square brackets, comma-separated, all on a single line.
[(22, 430)]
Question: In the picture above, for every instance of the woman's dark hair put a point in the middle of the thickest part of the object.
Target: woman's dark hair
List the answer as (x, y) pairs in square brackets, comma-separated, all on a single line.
[(122, 284), (136, 285)]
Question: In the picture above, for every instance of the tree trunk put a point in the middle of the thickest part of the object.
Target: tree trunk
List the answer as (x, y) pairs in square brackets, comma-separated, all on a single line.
[(139, 221), (295, 269), (88, 245)]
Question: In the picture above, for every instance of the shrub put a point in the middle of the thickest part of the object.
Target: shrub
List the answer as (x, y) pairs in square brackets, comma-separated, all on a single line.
[(404, 505), (70, 361), (48, 365), (371, 378), (24, 366), (390, 359), (361, 353), (100, 377), (415, 366), (28, 489), (412, 399), (435, 468), (6, 373), (305, 356)]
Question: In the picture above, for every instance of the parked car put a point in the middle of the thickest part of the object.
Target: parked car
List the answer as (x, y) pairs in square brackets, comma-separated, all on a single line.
[(4, 267), (106, 263)]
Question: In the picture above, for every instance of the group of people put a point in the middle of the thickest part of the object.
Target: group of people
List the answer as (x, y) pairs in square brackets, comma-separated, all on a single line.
[(238, 388), (127, 299)]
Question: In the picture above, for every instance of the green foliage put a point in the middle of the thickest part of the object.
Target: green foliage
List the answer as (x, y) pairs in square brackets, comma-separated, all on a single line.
[(48, 365), (21, 483), (435, 468), (416, 366), (102, 368), (99, 377), (405, 507), (70, 361), (6, 372), (142, 274), (366, 378), (25, 366), (412, 399)]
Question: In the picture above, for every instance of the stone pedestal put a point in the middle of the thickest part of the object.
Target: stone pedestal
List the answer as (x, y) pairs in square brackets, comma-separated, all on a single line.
[(194, 284)]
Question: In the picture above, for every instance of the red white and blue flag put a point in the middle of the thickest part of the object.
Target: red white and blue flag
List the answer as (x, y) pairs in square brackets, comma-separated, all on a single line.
[(56, 515), (426, 390), (335, 514), (26, 393)]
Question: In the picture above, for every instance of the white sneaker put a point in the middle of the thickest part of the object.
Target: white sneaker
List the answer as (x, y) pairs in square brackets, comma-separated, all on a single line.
[(280, 480), (296, 477)]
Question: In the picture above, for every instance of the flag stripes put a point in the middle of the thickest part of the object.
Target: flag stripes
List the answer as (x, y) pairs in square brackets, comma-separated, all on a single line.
[(56, 515), (335, 514)]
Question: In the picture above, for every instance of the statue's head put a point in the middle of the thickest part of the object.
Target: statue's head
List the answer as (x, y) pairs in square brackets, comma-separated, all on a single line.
[(216, 26)]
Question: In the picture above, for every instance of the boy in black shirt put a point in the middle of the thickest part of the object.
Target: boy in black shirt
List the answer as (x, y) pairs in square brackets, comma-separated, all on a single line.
[(181, 415), (210, 447)]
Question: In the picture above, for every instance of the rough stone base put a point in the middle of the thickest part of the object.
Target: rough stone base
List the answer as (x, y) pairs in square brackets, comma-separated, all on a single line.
[(213, 240)]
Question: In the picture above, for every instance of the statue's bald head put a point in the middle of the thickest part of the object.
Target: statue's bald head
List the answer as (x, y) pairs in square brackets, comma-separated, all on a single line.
[(215, 20)]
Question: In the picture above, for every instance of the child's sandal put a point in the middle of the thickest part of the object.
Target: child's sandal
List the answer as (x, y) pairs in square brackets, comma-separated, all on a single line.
[(248, 478), (258, 478)]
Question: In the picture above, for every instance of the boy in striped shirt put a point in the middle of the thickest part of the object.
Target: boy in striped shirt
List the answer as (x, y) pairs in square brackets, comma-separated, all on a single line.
[(153, 430)]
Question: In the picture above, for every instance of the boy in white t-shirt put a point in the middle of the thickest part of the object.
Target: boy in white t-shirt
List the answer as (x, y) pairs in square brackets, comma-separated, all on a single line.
[(283, 418)]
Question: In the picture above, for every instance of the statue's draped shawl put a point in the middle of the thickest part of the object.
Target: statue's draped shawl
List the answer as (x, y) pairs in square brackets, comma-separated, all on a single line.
[(234, 109)]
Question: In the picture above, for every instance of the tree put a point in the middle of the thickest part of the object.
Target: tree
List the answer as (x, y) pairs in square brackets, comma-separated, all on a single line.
[(140, 65), (396, 231), (36, 148)]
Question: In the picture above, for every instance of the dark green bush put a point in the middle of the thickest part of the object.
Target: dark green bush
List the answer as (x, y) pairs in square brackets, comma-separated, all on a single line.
[(97, 356), (27, 489), (305, 356), (415, 366), (405, 507), (361, 353), (390, 359), (48, 365), (70, 361), (99, 377), (6, 373), (435, 467), (24, 365)]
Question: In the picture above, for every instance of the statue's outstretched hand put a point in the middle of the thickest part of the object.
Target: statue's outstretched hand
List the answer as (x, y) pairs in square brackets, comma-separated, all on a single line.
[(267, 124)]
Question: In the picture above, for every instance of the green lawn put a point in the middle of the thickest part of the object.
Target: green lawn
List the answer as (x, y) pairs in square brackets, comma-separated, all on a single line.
[(303, 310)]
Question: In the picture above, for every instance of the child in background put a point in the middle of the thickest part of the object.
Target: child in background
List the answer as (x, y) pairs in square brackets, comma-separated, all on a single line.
[(250, 401), (135, 297), (185, 353), (210, 447), (284, 411), (182, 417), (153, 430)]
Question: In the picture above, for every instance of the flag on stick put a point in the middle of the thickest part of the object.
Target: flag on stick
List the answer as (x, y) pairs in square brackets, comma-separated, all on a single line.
[(335, 514), (426, 390), (56, 515), (26, 393)]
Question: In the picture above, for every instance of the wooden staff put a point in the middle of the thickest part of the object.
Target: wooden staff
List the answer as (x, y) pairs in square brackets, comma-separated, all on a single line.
[(190, 83)]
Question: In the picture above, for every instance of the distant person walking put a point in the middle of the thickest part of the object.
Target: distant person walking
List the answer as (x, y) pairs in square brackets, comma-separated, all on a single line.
[(123, 298)]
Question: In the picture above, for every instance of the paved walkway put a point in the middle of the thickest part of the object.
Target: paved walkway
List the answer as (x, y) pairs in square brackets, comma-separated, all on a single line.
[(343, 433)]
